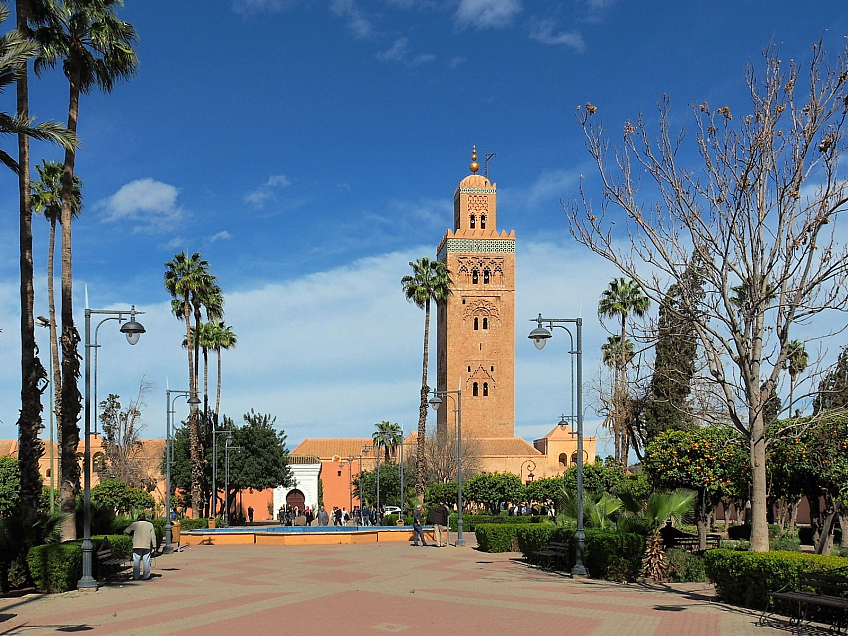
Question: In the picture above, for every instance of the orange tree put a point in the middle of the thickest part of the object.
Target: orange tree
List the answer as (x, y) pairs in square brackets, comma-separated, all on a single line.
[(712, 461)]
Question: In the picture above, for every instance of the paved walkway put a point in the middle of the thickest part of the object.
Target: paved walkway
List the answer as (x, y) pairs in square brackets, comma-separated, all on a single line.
[(371, 589)]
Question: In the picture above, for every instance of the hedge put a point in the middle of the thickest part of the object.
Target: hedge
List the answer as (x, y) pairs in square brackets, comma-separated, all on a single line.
[(746, 578), (497, 537), (614, 556), (193, 524), (57, 567), (470, 522), (685, 567)]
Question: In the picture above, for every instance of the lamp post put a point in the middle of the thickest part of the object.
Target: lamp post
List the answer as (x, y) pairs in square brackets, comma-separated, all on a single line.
[(41, 321), (349, 461), (525, 463), (367, 449), (132, 330), (436, 402), (215, 432), (193, 403), (539, 336), (227, 449)]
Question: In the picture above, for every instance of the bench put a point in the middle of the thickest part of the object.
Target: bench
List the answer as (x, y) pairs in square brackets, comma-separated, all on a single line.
[(106, 557), (553, 556), (827, 591), (691, 543)]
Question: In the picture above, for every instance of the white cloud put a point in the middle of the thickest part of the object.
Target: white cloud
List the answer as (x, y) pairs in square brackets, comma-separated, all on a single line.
[(357, 22), (424, 58), (548, 189), (267, 191), (255, 6), (457, 61), (485, 14), (147, 203), (544, 31), (397, 52), (221, 236)]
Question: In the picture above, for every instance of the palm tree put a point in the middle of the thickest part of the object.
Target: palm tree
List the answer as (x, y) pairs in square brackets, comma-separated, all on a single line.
[(46, 199), (621, 299), (207, 295), (611, 350), (15, 50), (95, 49), (430, 281), (796, 362), (388, 436), (224, 338), (183, 276)]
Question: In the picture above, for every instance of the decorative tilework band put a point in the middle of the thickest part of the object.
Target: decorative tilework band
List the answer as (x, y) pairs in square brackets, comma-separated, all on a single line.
[(474, 246), (478, 190)]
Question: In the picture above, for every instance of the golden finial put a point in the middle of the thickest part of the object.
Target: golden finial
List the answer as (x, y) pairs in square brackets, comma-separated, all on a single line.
[(474, 166)]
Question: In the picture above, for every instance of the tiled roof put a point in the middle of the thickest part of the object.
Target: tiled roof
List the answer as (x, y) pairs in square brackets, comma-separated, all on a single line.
[(505, 447), (326, 449)]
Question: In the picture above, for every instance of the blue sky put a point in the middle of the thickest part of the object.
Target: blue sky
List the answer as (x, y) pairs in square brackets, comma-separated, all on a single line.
[(310, 149)]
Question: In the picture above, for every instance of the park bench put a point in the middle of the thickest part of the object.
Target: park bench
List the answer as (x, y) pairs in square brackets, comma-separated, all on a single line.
[(105, 556), (825, 591), (553, 556), (691, 542)]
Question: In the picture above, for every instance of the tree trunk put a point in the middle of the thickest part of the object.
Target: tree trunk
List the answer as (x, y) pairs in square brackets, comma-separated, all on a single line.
[(422, 410), (843, 523), (30, 447), (825, 541), (815, 516), (793, 516), (194, 423), (759, 484), (71, 398), (56, 380), (701, 520)]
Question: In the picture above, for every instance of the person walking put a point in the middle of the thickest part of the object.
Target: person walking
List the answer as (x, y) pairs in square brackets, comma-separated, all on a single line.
[(250, 513), (323, 517), (418, 525), (438, 516), (144, 542)]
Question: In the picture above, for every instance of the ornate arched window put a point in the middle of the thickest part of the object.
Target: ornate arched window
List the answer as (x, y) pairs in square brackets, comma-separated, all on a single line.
[(475, 390), (574, 458), (475, 276), (482, 221), (476, 323), (485, 389), (486, 277), (472, 221), (485, 323), (563, 459)]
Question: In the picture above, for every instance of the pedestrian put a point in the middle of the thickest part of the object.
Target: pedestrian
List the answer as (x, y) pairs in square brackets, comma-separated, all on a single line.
[(250, 513), (438, 516), (417, 525), (366, 516), (337, 516), (323, 517), (144, 541), (345, 515)]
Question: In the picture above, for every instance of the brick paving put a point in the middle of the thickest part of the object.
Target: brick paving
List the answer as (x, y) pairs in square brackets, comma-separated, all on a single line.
[(371, 589)]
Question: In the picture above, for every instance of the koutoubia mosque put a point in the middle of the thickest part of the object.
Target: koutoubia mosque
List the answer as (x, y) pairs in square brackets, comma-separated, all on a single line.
[(475, 353)]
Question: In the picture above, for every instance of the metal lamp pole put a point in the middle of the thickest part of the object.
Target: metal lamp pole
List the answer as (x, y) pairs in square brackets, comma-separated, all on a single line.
[(193, 403), (435, 402), (215, 432), (539, 336), (132, 330), (525, 463), (227, 449)]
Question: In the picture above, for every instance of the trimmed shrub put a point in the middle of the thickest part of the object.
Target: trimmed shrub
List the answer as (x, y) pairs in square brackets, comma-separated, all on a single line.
[(55, 567), (613, 556), (193, 524), (470, 522), (685, 567), (497, 537), (746, 578)]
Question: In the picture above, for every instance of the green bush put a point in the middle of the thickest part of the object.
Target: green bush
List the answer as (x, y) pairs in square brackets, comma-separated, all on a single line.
[(685, 567), (193, 524), (784, 543), (746, 578), (497, 537), (470, 522), (531, 538), (637, 525), (613, 556), (55, 567)]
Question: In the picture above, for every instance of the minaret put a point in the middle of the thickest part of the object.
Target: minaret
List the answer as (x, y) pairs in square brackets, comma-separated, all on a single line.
[(476, 326)]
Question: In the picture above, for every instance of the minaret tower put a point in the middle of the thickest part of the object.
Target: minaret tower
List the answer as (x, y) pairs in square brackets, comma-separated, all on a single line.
[(476, 326)]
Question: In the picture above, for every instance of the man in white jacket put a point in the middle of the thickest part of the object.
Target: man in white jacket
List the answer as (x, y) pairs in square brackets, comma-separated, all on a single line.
[(144, 542)]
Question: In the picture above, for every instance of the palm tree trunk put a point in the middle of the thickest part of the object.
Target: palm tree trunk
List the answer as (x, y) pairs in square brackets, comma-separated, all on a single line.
[(791, 391), (30, 448), (71, 398), (422, 409), (218, 395), (56, 380), (621, 416), (194, 423)]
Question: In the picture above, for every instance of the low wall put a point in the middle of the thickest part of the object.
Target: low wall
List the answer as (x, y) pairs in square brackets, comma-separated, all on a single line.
[(201, 537)]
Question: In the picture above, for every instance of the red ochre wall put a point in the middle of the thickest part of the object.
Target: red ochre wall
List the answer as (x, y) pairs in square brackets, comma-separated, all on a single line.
[(337, 483)]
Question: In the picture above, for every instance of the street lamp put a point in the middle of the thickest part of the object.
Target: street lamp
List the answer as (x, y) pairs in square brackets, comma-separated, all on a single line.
[(540, 336), (193, 403), (227, 449), (132, 330), (215, 432), (349, 461), (436, 402), (525, 463), (368, 449)]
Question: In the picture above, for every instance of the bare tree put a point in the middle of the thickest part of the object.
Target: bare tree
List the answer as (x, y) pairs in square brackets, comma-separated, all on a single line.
[(440, 452), (759, 212), (122, 457)]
